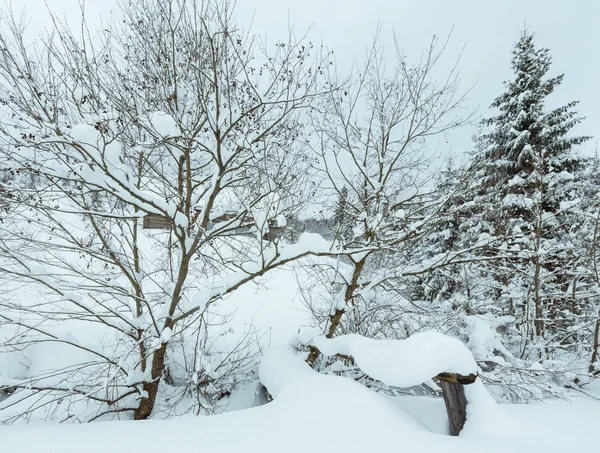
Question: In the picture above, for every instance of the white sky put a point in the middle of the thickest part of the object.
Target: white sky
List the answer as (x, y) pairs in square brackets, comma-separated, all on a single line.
[(487, 30)]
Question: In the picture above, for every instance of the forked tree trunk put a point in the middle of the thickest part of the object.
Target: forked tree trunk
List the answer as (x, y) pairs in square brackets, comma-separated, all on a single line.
[(158, 357)]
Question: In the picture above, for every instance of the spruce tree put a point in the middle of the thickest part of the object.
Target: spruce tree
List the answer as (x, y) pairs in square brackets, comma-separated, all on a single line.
[(588, 261), (342, 219), (525, 184), (443, 237)]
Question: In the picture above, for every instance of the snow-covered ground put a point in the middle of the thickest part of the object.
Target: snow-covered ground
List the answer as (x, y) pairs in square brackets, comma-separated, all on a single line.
[(324, 414)]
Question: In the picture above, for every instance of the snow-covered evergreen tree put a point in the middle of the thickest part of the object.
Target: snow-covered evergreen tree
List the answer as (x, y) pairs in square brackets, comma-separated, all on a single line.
[(524, 188), (587, 242), (342, 218), (443, 237)]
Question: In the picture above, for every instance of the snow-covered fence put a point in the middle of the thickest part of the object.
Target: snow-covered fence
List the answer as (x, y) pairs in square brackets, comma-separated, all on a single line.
[(404, 363), (401, 363)]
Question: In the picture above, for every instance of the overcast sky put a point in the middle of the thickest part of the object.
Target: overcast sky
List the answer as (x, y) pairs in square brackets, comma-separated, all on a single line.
[(487, 30)]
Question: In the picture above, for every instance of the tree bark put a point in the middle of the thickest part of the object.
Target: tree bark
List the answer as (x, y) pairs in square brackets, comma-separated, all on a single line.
[(147, 402), (537, 283), (336, 317), (594, 359)]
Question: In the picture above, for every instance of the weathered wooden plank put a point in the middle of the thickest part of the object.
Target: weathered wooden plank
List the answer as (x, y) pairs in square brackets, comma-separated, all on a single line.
[(159, 222), (156, 222)]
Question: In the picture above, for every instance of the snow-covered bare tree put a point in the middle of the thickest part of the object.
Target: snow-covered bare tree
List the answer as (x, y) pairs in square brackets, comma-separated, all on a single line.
[(373, 147), (172, 117)]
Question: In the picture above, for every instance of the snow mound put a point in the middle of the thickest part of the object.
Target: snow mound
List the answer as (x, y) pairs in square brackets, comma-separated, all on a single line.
[(280, 367)]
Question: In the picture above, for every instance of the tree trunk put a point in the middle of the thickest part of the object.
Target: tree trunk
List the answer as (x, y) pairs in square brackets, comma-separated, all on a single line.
[(537, 277), (539, 311), (593, 369), (336, 317), (151, 388)]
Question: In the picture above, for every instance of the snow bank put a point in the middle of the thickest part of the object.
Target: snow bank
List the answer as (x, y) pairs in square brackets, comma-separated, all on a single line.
[(280, 367), (287, 377), (403, 363), (485, 417)]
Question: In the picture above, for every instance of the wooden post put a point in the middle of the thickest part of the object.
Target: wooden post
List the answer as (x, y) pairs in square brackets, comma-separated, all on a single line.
[(453, 391)]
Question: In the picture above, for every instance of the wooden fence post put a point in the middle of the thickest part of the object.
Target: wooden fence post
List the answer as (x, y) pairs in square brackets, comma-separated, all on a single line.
[(453, 391)]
